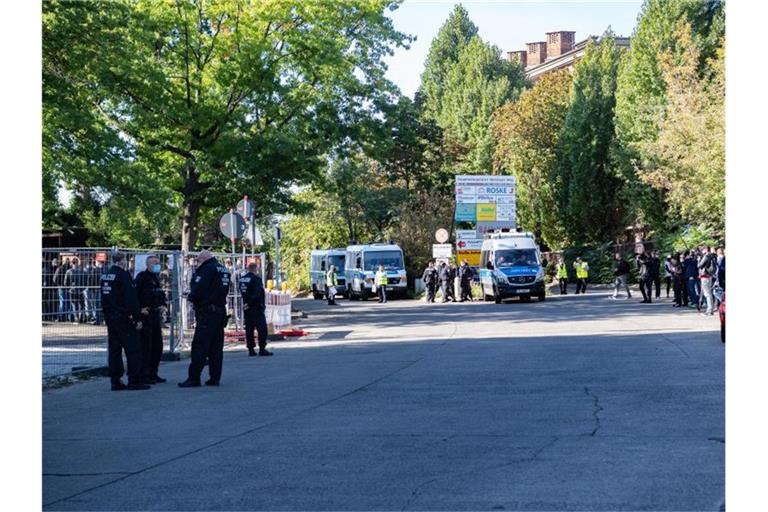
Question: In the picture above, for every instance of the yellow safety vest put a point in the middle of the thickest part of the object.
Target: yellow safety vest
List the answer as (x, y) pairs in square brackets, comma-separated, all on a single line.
[(381, 278), (582, 270), (330, 279), (562, 271)]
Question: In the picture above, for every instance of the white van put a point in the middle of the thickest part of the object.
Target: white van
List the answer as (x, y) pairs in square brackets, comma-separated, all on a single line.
[(319, 263), (362, 262), (511, 266)]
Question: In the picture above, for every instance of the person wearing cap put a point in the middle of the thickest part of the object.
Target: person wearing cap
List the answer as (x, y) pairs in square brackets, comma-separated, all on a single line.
[(208, 292), (153, 304), (582, 273), (254, 305)]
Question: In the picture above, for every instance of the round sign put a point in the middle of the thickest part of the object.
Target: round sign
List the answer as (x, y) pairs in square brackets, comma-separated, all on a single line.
[(232, 225), (441, 235), (245, 208)]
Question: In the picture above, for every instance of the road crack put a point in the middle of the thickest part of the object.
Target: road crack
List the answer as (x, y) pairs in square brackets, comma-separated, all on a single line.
[(595, 410)]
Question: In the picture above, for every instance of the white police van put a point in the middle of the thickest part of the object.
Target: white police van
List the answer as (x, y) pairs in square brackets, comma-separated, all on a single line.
[(511, 266), (362, 262), (319, 263)]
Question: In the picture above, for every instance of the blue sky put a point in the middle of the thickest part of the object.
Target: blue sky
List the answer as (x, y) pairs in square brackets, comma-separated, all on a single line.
[(507, 24)]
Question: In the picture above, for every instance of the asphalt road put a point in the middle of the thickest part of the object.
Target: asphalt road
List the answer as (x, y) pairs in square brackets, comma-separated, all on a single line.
[(577, 403)]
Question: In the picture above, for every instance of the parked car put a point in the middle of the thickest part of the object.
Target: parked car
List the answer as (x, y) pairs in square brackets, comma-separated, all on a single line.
[(721, 309)]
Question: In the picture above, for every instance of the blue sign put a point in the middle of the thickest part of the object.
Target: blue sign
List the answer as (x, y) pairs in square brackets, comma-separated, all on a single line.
[(466, 212), (519, 271)]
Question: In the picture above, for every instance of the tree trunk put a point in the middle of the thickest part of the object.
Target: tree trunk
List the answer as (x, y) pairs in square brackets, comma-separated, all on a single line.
[(189, 222)]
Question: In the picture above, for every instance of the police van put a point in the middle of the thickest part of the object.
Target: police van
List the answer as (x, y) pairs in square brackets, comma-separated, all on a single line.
[(319, 263), (511, 266), (361, 264)]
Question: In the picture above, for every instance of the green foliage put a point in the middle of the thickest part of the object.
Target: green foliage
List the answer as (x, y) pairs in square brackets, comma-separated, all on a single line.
[(206, 101), (589, 191), (687, 238), (527, 133)]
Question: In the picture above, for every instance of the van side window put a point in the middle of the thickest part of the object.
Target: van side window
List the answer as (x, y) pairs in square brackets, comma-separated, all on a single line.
[(322, 265), (359, 262)]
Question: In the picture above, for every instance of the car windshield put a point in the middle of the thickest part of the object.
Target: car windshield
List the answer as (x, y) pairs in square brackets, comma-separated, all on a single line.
[(516, 258), (392, 260), (338, 261)]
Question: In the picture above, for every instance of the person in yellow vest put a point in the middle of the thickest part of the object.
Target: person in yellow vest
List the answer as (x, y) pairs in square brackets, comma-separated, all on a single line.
[(330, 285), (582, 273), (380, 280), (562, 276)]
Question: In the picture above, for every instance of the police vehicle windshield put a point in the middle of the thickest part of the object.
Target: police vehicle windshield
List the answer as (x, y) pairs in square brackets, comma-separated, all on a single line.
[(516, 258), (338, 261), (392, 260)]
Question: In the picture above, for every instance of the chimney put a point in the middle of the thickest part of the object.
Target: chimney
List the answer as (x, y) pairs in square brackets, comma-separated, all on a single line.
[(520, 56), (559, 43), (537, 53)]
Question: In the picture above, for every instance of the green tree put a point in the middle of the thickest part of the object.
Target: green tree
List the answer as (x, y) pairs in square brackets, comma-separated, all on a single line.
[(456, 33), (204, 101), (479, 83), (527, 132), (589, 192)]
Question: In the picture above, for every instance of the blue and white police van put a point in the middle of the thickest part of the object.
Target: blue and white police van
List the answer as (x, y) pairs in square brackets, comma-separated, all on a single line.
[(511, 266), (320, 260), (361, 264)]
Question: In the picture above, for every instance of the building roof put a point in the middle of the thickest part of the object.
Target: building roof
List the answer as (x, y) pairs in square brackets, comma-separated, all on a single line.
[(569, 58)]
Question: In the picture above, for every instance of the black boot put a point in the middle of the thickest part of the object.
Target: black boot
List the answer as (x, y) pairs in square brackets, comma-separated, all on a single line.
[(264, 352), (189, 384), (211, 382), (137, 386), (251, 352), (117, 385)]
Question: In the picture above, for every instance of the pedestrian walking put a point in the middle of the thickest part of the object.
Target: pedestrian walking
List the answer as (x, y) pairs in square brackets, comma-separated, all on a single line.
[(621, 276), (644, 277), (655, 267), (452, 281), (668, 273), (380, 282), (123, 317), (330, 285), (678, 280), (465, 281), (429, 277), (707, 273), (446, 283), (562, 275), (208, 292), (153, 303), (582, 274), (254, 306)]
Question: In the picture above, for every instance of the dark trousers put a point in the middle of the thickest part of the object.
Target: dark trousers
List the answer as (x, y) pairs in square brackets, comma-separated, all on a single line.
[(646, 287), (581, 285), (151, 343), (668, 281), (122, 336), (255, 319), (657, 284), (431, 292), (466, 291), (208, 342), (677, 286), (693, 290), (445, 287), (563, 285)]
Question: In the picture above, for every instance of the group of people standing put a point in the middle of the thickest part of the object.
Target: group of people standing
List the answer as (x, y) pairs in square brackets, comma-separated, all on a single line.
[(70, 290), (580, 267), (133, 311), (444, 276)]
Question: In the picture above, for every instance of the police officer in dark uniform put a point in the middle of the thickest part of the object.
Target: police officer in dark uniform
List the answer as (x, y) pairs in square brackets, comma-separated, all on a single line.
[(465, 281), (446, 282), (120, 304), (152, 301), (254, 304), (430, 281), (208, 292)]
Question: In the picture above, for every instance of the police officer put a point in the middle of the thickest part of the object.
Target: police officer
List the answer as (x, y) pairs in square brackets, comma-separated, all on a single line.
[(654, 264), (562, 276), (582, 273), (330, 285), (254, 304), (122, 313), (152, 301), (380, 280), (452, 275), (465, 280), (446, 282), (208, 292), (430, 281), (644, 277)]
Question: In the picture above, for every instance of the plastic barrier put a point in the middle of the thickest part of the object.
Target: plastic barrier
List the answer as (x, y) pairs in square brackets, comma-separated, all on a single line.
[(278, 310)]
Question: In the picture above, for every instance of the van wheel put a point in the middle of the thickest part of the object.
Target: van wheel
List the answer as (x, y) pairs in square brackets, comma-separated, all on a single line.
[(315, 294), (496, 296)]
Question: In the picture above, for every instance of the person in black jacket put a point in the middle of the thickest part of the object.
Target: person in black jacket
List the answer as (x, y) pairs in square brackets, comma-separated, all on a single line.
[(465, 281), (254, 304), (655, 267), (644, 277), (678, 279), (621, 273), (430, 281), (208, 292), (122, 312), (153, 302), (446, 282)]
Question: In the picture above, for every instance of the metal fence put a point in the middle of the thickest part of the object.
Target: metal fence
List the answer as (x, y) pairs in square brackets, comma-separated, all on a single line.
[(74, 336)]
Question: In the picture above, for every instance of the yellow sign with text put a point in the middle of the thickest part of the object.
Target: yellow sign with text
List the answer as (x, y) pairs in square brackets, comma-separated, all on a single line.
[(486, 212), (472, 257)]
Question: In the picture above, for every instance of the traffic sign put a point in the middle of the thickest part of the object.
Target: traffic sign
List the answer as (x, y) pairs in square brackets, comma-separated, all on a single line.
[(442, 250), (232, 225), (441, 235), (245, 208), (253, 236)]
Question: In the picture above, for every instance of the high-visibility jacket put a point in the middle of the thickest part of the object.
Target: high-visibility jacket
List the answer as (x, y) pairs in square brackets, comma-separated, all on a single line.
[(381, 278), (582, 269), (562, 271), (330, 278)]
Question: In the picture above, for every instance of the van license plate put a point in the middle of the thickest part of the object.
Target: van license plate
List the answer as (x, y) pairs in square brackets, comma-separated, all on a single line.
[(524, 290), (389, 288)]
